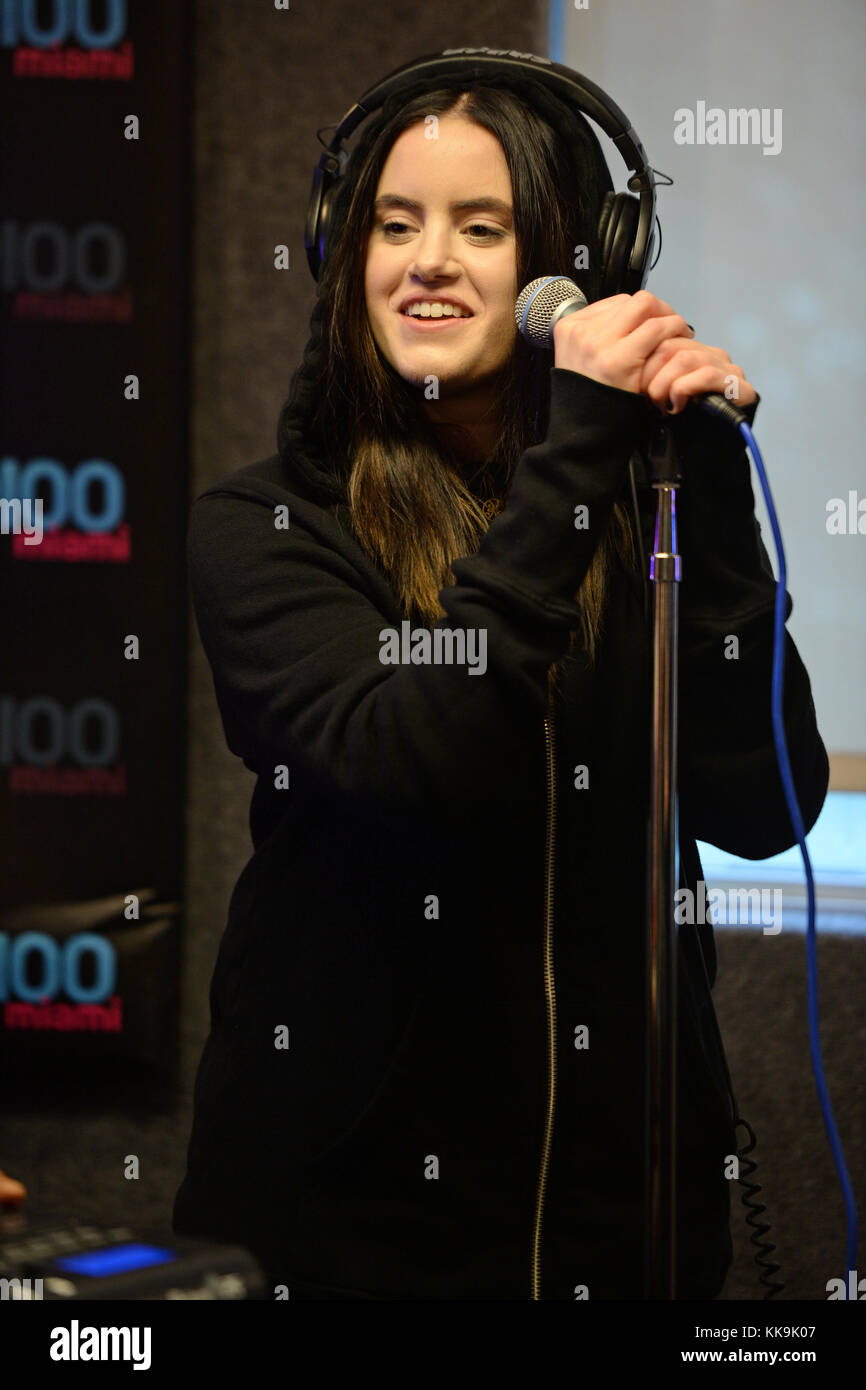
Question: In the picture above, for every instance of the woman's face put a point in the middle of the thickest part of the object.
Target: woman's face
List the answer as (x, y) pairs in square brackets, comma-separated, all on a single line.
[(443, 237)]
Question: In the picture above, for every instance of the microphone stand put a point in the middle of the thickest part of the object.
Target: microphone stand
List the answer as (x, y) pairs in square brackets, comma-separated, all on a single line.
[(663, 870)]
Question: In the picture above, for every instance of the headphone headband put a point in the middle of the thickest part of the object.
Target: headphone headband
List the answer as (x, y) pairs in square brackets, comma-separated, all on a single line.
[(626, 228)]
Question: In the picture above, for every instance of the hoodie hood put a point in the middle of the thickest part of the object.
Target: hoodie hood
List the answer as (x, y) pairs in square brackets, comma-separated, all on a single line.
[(296, 442)]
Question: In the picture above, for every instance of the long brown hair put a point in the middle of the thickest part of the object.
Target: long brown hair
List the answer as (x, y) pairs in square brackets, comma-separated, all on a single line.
[(410, 508)]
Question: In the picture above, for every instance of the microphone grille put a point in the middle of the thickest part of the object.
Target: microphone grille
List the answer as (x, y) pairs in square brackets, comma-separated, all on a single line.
[(537, 305)]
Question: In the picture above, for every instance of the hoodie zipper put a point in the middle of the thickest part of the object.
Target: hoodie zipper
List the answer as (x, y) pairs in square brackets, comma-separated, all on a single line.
[(549, 991)]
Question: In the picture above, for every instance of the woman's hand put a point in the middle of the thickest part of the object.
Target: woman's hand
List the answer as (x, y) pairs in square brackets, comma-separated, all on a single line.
[(637, 343), (680, 369)]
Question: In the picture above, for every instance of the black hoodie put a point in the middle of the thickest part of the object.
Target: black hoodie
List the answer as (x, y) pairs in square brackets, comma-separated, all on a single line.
[(376, 1114), (370, 1108)]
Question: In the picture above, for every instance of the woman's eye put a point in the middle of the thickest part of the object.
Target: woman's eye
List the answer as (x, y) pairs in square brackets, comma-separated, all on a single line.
[(393, 227), (481, 229)]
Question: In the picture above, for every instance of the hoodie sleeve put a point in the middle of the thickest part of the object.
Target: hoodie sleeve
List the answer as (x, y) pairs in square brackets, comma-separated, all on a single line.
[(291, 627), (731, 793)]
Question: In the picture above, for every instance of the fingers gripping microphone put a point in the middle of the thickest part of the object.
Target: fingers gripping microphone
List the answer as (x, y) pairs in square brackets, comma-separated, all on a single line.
[(546, 300)]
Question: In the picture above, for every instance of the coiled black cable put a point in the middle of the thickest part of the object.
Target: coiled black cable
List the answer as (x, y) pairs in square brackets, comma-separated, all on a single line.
[(755, 1210)]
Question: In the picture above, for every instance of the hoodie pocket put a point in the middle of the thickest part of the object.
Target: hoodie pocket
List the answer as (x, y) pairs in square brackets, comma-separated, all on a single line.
[(380, 1115), (318, 989)]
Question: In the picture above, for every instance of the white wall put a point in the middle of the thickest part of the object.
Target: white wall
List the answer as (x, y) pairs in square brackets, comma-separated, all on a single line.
[(764, 254)]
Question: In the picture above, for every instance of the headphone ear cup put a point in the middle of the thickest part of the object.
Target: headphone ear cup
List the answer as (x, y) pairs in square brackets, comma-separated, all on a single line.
[(326, 208), (617, 230), (326, 177), (311, 225)]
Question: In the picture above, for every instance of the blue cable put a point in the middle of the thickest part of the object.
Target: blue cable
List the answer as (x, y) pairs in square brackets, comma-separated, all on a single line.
[(781, 743)]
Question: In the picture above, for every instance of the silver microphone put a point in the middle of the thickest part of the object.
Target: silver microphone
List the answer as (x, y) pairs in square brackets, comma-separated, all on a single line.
[(546, 300), (543, 303)]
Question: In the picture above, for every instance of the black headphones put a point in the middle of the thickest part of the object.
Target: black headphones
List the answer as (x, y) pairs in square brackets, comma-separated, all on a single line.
[(626, 231)]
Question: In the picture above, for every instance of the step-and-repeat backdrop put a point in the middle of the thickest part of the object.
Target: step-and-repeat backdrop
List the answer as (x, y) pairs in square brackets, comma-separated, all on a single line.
[(95, 205)]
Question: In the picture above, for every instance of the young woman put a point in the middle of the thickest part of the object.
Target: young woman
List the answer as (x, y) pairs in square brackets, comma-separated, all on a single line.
[(424, 1075)]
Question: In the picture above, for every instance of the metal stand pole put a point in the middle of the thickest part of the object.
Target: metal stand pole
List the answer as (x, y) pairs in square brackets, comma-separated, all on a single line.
[(663, 870)]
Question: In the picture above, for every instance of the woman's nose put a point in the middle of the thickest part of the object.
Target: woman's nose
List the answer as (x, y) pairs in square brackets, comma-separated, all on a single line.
[(434, 255)]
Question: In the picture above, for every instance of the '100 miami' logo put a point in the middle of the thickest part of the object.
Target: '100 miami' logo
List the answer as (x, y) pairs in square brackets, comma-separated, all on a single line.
[(58, 272), (69, 499), (50, 749), (44, 256), (24, 21), (35, 969), (82, 508), (59, 967)]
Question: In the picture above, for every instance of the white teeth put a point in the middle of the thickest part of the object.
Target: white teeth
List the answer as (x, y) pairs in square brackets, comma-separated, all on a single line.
[(433, 309)]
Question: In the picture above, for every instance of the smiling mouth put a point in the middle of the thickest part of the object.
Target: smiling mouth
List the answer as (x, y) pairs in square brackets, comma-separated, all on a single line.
[(430, 325), (425, 324), (434, 309)]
